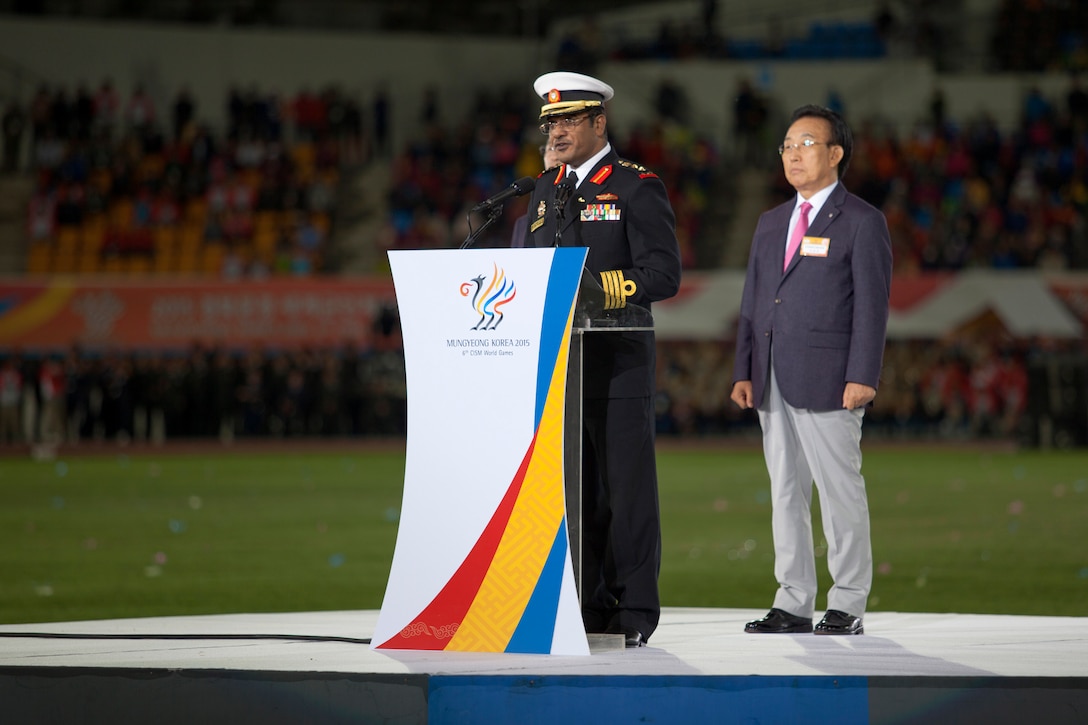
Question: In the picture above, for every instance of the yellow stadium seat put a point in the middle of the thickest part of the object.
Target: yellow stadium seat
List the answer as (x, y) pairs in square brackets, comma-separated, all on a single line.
[(165, 263), (39, 258), (190, 265), (164, 238), (63, 264), (305, 174), (67, 239), (88, 263), (93, 236), (191, 238), (138, 265), (265, 219), (322, 222), (101, 178), (151, 167), (120, 214), (331, 177), (264, 240), (251, 178), (196, 210), (304, 154), (212, 259)]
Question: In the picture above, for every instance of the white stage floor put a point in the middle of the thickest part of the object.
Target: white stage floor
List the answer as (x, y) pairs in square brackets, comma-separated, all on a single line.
[(689, 642)]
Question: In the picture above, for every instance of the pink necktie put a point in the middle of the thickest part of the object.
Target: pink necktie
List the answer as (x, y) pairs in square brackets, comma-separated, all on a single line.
[(798, 232)]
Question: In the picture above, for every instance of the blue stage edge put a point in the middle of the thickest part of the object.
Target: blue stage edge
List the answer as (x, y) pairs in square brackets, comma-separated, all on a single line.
[(209, 697)]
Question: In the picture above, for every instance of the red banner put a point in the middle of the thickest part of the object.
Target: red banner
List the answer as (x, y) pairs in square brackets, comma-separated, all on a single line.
[(58, 313)]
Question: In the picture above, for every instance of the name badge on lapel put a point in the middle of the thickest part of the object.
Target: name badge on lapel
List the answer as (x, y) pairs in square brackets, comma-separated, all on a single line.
[(815, 246)]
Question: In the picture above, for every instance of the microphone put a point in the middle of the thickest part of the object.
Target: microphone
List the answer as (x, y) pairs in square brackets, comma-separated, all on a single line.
[(563, 190), (519, 188)]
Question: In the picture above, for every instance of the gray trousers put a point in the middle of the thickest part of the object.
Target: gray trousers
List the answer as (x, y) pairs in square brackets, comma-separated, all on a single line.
[(802, 446)]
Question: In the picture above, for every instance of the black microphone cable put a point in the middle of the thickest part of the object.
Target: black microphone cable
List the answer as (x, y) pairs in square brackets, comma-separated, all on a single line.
[(190, 637)]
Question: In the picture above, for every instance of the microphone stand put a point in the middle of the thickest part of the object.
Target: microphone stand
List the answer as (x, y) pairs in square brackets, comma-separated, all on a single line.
[(562, 194), (493, 214)]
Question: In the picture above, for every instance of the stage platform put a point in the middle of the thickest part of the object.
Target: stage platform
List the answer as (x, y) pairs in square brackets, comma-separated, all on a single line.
[(699, 667)]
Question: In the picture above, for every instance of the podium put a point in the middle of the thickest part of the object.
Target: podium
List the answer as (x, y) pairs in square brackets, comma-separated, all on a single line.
[(489, 547), (482, 561)]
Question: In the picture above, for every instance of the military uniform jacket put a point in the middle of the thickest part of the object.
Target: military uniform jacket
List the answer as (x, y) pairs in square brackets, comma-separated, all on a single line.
[(621, 213)]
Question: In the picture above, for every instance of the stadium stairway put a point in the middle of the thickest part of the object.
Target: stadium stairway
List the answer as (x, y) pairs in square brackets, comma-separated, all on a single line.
[(751, 198), (361, 212), (15, 193)]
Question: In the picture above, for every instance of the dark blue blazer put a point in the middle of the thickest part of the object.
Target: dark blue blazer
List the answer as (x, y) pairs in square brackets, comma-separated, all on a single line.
[(826, 316)]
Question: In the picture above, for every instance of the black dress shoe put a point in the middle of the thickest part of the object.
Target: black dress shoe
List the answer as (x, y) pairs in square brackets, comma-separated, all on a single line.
[(778, 621), (631, 636), (839, 622)]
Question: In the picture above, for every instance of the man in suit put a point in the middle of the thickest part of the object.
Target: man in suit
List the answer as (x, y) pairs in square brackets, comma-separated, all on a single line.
[(620, 211), (810, 343)]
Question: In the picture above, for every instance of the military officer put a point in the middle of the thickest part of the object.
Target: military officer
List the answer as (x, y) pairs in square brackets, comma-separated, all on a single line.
[(620, 211)]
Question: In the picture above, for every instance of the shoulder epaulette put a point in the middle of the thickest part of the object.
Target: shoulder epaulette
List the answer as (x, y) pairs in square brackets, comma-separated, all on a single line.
[(641, 170)]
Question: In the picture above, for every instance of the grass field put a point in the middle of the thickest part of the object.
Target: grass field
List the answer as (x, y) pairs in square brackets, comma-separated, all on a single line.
[(159, 534)]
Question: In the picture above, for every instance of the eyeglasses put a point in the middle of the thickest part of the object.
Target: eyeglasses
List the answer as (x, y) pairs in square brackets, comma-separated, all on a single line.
[(803, 144), (565, 122)]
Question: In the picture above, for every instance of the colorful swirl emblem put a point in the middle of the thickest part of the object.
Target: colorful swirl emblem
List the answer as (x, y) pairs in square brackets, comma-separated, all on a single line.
[(489, 296)]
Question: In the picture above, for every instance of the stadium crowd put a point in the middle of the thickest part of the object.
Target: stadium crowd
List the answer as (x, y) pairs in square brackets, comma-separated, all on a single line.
[(119, 188), (960, 195), (438, 177)]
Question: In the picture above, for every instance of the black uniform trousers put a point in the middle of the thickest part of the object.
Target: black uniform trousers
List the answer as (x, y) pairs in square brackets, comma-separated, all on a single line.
[(621, 532)]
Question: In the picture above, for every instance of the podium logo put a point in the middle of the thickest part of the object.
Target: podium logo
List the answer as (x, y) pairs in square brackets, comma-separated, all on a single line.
[(489, 296)]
